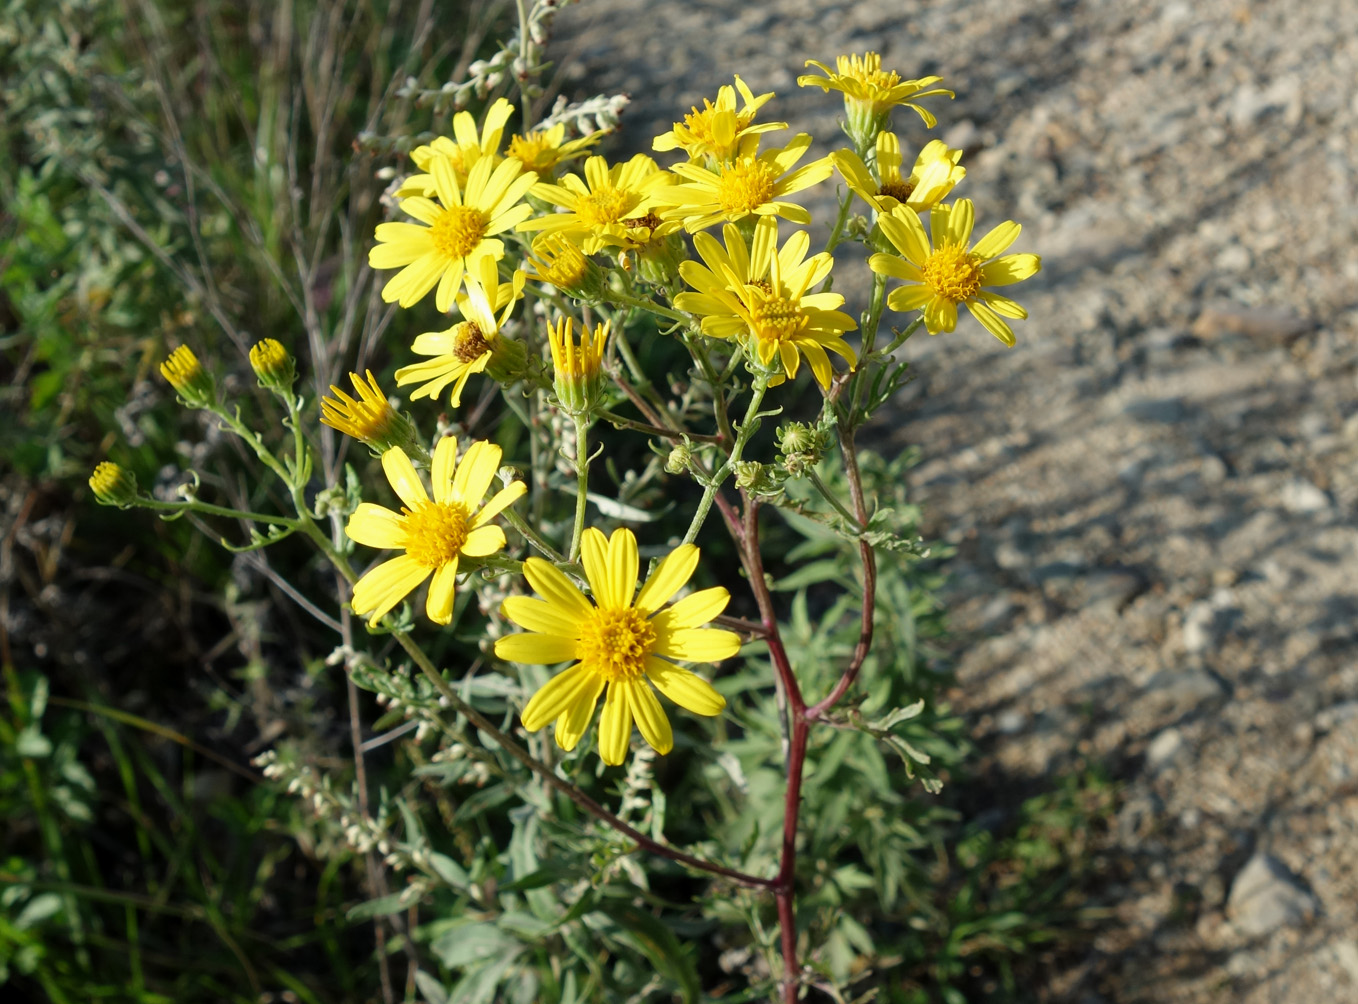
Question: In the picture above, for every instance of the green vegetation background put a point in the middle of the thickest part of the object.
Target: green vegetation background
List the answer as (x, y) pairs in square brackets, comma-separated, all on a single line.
[(192, 173)]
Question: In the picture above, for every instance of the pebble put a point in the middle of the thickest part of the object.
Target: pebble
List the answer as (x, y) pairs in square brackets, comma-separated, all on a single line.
[(1302, 498), (1266, 896), (1164, 748)]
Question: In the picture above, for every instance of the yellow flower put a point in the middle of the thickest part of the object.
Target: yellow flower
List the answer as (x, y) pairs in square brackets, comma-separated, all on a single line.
[(619, 641), (433, 534), (760, 293), (557, 261), (369, 417), (459, 233), (750, 183), (716, 129), (935, 173), (462, 152), (113, 484), (273, 365), (871, 92), (605, 206), (947, 271), (543, 149), (576, 367), (469, 346), (186, 375)]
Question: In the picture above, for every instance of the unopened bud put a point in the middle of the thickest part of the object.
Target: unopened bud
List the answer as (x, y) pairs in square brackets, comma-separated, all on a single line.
[(114, 484), (187, 376), (679, 459), (273, 366)]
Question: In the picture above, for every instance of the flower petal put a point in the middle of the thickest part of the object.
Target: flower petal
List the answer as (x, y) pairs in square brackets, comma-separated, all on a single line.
[(668, 578), (554, 698), (475, 473), (441, 471), (387, 585), (698, 644), (693, 610), (506, 496), (908, 298), (572, 723), (940, 315), (624, 564), (684, 687), (1010, 269), (651, 718), (439, 604), (539, 615), (615, 724), (535, 649), (992, 322), (997, 240), (376, 526), (483, 540), (553, 586), (404, 481)]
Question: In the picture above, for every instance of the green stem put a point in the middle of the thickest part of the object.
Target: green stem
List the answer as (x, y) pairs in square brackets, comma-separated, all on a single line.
[(829, 496), (628, 300), (744, 433), (582, 484), (837, 232), (533, 537), (208, 509)]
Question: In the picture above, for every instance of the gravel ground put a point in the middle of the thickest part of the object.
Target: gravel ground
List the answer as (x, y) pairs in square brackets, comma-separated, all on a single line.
[(1154, 494)]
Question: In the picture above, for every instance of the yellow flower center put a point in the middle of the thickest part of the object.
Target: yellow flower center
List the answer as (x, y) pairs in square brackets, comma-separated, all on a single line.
[(868, 72), (535, 151), (607, 205), (775, 319), (435, 532), (952, 273), (899, 189), (470, 343), (616, 643), (744, 186), (457, 231), (699, 123)]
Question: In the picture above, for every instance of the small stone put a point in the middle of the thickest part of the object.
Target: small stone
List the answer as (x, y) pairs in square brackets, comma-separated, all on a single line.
[(1266, 896), (1010, 722), (1163, 748), (1183, 689), (1336, 714), (1300, 497), (1265, 323)]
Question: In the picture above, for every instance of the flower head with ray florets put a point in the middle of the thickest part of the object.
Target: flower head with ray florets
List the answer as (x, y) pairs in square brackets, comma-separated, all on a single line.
[(544, 150), (750, 184), (456, 236), (870, 93), (469, 346), (462, 152), (760, 293), (713, 133), (935, 173), (620, 642), (948, 270), (605, 206), (435, 533)]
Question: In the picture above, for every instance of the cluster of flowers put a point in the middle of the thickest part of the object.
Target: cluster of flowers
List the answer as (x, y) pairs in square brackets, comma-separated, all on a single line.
[(473, 192)]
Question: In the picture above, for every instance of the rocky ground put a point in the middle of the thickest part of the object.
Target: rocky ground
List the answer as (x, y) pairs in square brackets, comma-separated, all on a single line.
[(1154, 495)]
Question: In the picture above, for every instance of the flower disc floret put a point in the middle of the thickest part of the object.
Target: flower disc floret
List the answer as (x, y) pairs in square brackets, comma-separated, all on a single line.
[(753, 183), (435, 532), (620, 643)]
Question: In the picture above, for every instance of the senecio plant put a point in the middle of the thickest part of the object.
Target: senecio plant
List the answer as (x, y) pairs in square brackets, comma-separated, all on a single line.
[(549, 276)]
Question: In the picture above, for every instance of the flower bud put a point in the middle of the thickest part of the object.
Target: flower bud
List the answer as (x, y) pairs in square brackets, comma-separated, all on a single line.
[(576, 368), (679, 459), (114, 484), (275, 368), (758, 479), (796, 437), (187, 376)]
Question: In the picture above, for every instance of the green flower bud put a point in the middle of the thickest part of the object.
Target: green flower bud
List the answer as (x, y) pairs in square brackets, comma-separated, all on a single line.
[(275, 368), (187, 376), (679, 459)]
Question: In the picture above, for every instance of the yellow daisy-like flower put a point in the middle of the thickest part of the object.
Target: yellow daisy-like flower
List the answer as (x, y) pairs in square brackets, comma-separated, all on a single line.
[(369, 417), (542, 150), (462, 152), (434, 534), (935, 173), (871, 92), (760, 293), (468, 346), (949, 270), (751, 183), (601, 208), (457, 234), (557, 261), (618, 641), (715, 130)]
